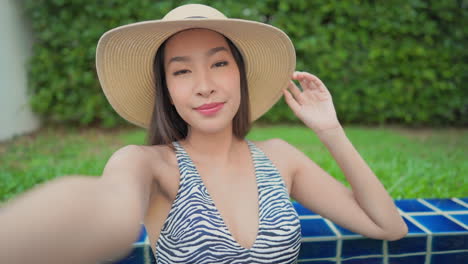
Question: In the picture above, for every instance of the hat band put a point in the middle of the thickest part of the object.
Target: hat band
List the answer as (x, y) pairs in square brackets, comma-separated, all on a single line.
[(195, 17)]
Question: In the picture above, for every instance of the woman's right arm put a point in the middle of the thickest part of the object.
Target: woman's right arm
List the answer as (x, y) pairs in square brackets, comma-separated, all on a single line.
[(79, 219)]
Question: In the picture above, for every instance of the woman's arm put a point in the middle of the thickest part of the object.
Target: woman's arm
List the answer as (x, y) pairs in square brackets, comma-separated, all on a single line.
[(367, 208), (368, 191), (78, 219)]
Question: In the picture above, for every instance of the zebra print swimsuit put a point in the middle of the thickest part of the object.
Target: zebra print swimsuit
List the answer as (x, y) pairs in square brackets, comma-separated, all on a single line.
[(194, 231)]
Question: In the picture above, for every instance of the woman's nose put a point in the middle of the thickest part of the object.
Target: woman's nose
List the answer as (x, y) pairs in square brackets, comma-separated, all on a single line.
[(205, 91), (205, 87)]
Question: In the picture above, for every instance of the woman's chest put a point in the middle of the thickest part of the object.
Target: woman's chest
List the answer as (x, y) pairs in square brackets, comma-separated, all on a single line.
[(232, 198), (243, 216)]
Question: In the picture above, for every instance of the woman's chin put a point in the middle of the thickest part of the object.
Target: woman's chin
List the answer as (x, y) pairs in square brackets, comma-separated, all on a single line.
[(211, 127)]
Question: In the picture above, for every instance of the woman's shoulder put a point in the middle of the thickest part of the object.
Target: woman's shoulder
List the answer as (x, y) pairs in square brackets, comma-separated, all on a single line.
[(282, 155), (160, 155), (280, 152), (157, 158), (274, 146), (135, 153)]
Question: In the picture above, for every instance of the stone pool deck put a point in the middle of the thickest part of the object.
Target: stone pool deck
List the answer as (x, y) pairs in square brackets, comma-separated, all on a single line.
[(438, 234)]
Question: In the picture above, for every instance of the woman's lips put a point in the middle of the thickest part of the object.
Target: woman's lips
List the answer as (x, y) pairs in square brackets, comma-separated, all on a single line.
[(209, 109)]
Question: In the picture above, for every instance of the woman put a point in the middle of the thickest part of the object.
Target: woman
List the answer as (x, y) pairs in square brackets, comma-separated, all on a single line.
[(205, 194)]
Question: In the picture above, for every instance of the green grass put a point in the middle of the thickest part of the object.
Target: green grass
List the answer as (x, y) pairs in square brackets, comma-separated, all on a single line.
[(428, 163)]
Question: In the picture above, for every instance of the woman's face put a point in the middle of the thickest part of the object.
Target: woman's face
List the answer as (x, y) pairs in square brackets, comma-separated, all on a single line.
[(203, 79)]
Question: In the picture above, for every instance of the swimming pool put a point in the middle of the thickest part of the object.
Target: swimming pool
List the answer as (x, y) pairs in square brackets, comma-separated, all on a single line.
[(437, 233)]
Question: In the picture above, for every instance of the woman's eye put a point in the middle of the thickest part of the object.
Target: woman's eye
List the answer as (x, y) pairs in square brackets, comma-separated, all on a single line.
[(180, 72), (220, 64)]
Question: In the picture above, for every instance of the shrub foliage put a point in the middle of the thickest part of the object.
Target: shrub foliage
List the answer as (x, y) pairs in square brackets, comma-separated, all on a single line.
[(401, 61)]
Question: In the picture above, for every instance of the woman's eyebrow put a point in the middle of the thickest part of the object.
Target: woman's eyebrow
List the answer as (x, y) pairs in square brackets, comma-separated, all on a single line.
[(212, 51), (209, 53)]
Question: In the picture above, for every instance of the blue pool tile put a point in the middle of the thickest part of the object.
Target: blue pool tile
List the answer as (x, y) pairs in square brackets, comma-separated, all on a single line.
[(364, 261), (438, 223), (318, 249), (318, 262), (412, 228), (451, 242), (461, 217), (407, 260), (137, 256), (151, 255), (315, 227), (361, 247), (142, 236), (445, 258), (407, 245), (411, 205), (446, 205), (301, 210)]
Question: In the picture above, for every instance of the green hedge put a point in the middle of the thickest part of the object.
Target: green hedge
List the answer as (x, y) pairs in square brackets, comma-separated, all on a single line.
[(401, 61)]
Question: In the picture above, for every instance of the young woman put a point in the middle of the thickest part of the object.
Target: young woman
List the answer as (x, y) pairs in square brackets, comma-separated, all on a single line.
[(197, 80)]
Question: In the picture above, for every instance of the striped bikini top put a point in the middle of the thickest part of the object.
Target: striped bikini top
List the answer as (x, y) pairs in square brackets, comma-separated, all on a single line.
[(194, 231)]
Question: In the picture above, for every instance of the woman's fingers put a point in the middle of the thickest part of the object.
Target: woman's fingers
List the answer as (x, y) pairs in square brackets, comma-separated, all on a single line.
[(310, 81), (293, 104), (295, 92), (300, 96), (309, 88), (313, 89)]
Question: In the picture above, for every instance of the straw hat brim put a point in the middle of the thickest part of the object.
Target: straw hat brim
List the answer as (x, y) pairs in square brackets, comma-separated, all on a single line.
[(125, 55)]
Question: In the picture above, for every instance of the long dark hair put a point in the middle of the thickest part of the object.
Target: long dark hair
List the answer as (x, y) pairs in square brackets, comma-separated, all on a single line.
[(166, 124)]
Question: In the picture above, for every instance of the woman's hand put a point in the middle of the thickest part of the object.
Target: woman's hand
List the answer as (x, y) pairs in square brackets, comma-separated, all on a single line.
[(314, 105)]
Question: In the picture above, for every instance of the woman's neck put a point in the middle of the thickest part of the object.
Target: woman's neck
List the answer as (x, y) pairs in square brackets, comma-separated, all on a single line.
[(214, 147)]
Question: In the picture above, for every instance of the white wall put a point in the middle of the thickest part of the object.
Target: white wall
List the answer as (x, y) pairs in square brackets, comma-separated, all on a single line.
[(15, 49)]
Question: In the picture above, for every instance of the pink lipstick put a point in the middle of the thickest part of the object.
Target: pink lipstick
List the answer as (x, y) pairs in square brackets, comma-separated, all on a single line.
[(209, 109)]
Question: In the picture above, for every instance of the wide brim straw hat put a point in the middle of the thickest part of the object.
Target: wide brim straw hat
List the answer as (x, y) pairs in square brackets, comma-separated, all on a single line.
[(125, 57)]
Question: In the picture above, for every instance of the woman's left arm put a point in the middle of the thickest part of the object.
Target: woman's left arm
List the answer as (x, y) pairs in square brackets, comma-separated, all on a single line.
[(379, 215)]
